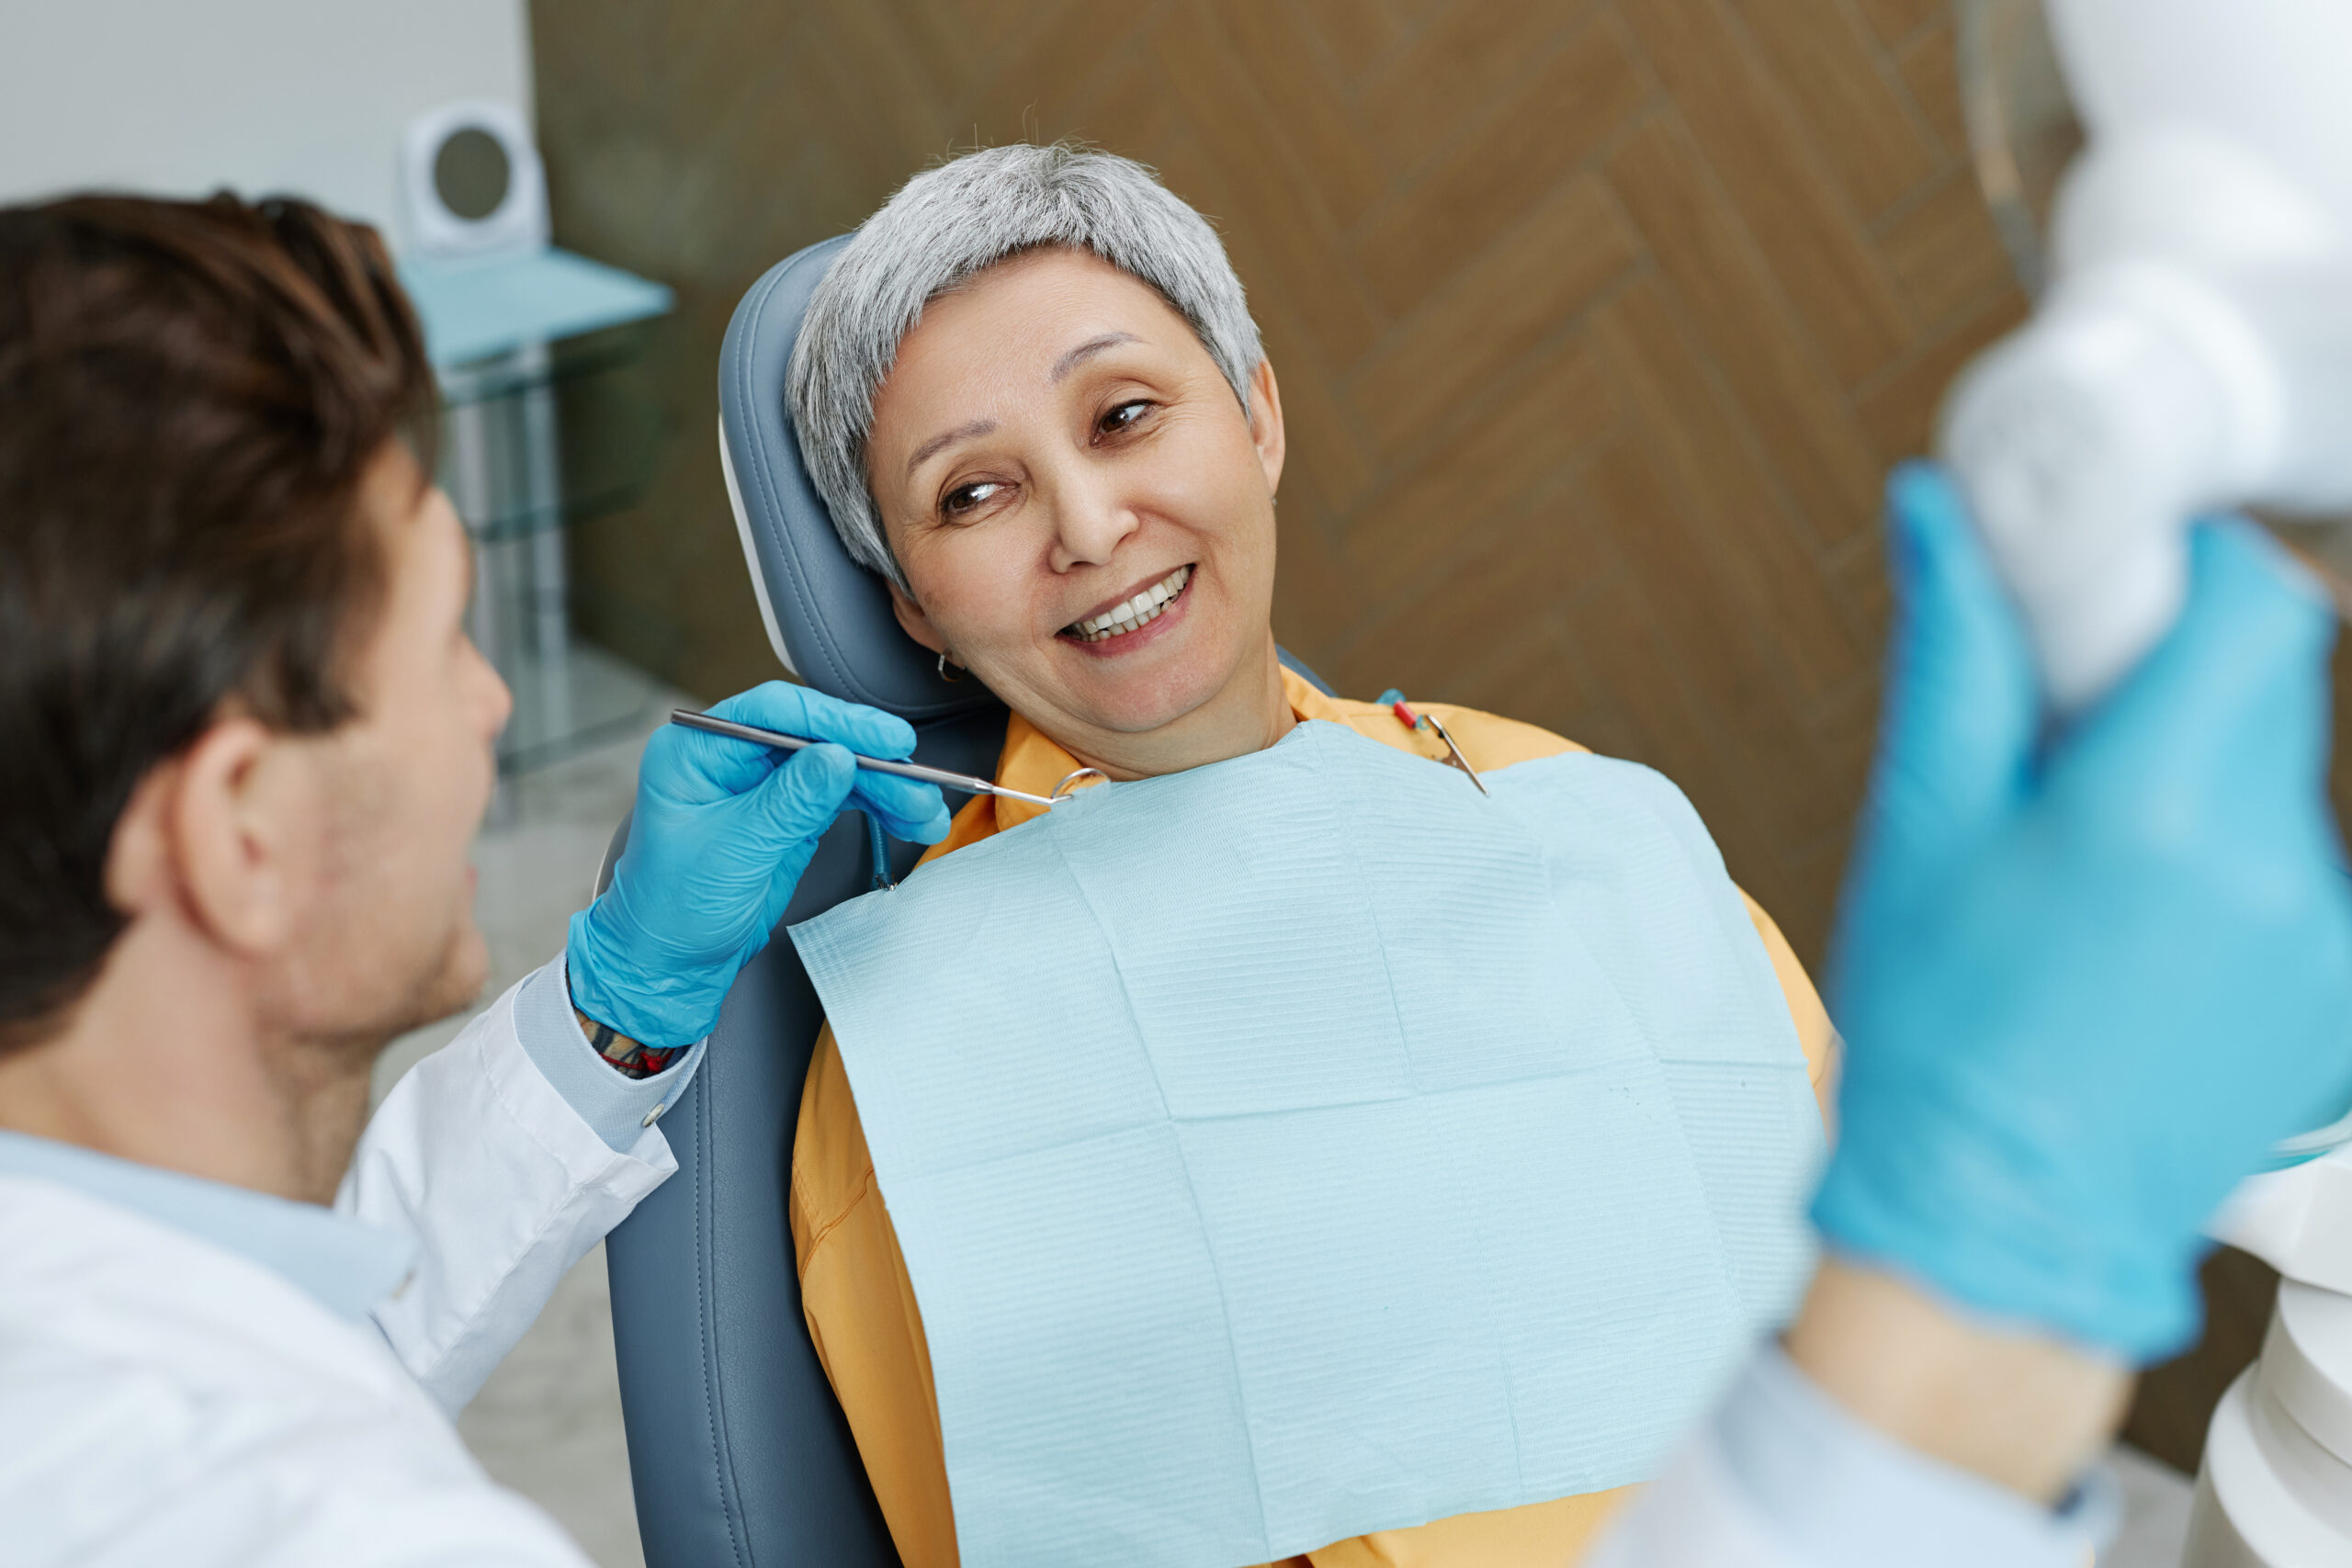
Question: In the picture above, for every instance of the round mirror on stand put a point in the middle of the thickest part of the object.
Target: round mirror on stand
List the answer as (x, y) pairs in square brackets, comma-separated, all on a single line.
[(472, 183)]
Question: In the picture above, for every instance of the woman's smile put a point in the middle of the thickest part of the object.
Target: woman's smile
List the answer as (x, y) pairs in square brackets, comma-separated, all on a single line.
[(1129, 623)]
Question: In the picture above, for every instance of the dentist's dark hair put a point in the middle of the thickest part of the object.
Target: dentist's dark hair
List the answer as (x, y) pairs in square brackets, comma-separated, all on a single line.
[(190, 395)]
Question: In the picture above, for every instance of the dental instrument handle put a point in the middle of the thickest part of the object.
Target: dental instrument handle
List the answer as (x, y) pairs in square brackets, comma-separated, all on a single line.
[(941, 777), (1396, 703)]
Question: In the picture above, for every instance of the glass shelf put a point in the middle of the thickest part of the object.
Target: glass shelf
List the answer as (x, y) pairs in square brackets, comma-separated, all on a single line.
[(531, 441), (550, 435)]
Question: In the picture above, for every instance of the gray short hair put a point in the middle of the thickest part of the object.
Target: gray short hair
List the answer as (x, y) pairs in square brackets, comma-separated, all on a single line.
[(947, 224)]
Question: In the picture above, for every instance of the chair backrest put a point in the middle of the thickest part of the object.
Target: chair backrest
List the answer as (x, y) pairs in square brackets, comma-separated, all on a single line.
[(738, 1454)]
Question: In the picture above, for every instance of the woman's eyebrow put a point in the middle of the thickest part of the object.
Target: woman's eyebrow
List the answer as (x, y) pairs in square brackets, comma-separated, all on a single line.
[(946, 439), (1086, 351)]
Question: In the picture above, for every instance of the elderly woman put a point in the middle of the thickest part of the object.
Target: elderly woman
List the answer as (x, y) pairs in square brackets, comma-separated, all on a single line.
[(1034, 400)]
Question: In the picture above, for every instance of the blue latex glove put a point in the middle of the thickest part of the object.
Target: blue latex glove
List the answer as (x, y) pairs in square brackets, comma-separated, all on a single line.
[(2085, 984), (722, 832)]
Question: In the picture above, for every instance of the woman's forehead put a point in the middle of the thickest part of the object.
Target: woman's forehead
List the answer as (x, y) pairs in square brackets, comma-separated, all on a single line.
[(1033, 312)]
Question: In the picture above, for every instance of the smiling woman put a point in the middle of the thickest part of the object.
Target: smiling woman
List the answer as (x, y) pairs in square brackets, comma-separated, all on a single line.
[(1032, 399), (1082, 512)]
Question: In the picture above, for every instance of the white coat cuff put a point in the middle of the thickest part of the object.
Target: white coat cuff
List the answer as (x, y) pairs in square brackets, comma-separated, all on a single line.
[(619, 1108), (1837, 1492)]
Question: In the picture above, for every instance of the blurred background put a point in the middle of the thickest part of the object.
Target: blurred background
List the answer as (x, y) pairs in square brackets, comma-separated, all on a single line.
[(1598, 324)]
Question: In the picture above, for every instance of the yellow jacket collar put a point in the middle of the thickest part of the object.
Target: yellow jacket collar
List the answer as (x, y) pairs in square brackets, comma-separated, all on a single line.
[(1034, 763)]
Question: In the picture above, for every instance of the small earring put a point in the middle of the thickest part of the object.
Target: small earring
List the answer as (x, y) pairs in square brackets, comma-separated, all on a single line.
[(943, 668)]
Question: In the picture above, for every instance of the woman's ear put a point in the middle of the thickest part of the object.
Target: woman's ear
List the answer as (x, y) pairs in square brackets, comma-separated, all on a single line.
[(913, 622), (1266, 424)]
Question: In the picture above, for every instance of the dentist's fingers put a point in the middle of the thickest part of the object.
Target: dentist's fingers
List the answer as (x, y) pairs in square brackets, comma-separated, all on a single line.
[(907, 808), (693, 764), (800, 799), (796, 710), (2231, 709)]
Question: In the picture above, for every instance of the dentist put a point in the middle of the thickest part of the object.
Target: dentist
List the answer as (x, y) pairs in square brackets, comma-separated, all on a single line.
[(244, 744)]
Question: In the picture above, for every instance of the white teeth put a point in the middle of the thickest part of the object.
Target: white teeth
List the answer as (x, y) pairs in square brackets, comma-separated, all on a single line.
[(1141, 609)]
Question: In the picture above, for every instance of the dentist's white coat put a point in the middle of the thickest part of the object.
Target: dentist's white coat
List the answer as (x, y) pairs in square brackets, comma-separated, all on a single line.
[(165, 1403)]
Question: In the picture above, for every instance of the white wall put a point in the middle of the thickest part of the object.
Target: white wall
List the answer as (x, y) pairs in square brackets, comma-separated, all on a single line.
[(183, 97)]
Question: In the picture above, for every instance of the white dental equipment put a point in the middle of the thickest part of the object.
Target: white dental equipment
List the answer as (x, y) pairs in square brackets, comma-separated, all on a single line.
[(2190, 352), (2193, 348)]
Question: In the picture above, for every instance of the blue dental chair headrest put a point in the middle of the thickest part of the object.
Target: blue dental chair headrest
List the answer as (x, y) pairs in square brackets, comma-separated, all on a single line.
[(828, 618)]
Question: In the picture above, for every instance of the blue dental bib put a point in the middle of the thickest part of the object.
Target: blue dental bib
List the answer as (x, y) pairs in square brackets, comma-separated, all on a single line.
[(1307, 1146)]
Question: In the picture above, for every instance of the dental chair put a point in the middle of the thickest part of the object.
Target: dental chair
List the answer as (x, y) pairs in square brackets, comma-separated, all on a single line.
[(738, 1454)]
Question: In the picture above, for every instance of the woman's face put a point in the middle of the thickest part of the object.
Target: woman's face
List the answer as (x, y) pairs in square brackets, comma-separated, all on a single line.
[(1053, 445)]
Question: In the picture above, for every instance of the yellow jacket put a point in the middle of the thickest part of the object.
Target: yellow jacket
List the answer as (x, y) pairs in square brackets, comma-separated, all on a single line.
[(860, 1307)]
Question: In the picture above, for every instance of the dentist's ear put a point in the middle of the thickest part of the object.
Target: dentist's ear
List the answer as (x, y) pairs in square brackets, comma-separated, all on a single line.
[(232, 831), (1266, 424)]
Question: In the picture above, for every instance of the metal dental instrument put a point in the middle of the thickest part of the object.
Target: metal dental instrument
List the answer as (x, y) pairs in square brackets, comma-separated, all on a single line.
[(940, 776), (1430, 721)]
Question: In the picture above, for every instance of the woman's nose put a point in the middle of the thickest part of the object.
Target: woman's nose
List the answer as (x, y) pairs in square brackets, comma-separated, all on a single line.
[(1092, 518)]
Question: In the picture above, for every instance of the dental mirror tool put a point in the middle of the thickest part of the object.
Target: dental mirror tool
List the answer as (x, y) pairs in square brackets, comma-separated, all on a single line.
[(940, 776)]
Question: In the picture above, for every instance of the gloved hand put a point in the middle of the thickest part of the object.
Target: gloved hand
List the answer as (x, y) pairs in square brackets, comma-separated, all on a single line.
[(2085, 984), (722, 832)]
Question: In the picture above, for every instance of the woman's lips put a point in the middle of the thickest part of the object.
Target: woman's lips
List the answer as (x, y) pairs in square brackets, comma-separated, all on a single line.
[(1131, 615), (1134, 630)]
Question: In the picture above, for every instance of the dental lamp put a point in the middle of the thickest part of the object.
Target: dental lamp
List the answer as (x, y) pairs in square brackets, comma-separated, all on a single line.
[(2174, 180)]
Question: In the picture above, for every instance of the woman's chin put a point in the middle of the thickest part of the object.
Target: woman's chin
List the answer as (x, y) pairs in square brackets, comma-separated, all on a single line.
[(1135, 697)]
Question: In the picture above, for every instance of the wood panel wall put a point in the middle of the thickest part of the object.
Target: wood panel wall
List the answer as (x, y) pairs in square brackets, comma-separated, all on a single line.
[(1597, 324)]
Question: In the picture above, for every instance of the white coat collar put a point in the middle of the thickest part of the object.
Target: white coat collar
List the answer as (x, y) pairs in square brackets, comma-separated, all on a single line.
[(347, 1266)]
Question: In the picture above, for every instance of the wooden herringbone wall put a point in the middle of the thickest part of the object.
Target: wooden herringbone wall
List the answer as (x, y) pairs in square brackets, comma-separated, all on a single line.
[(1597, 324)]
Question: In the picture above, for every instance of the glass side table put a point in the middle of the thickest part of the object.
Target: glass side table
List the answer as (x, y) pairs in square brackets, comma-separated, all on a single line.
[(543, 424)]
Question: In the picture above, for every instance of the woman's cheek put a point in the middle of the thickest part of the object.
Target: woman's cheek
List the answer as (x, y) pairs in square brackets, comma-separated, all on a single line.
[(981, 593)]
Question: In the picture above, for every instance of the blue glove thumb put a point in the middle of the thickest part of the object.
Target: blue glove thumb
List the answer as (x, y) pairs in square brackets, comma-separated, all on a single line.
[(1959, 716)]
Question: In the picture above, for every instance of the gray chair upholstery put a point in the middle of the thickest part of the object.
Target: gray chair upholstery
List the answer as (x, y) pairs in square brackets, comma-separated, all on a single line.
[(828, 618), (738, 1452)]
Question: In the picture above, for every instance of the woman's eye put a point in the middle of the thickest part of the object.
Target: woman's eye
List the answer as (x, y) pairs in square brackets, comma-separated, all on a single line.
[(967, 498), (1123, 417)]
